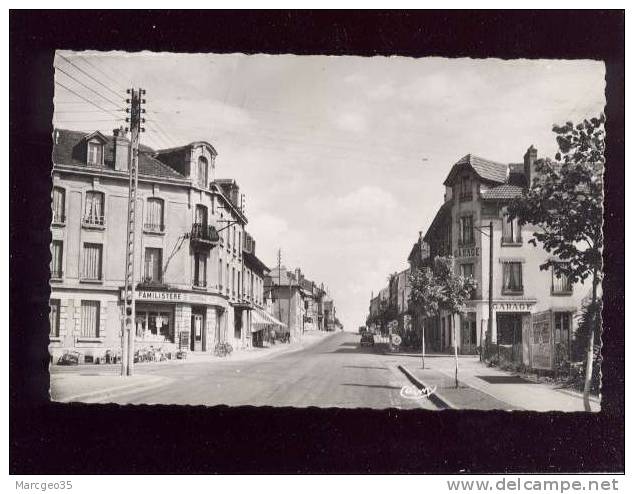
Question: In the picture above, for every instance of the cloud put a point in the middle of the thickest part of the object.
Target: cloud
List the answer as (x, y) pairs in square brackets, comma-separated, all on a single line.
[(352, 122)]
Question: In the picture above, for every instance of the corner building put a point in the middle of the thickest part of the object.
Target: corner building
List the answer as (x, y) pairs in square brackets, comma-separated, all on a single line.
[(189, 250), (534, 311)]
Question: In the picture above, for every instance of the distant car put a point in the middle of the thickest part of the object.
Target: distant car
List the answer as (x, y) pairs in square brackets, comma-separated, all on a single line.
[(367, 339)]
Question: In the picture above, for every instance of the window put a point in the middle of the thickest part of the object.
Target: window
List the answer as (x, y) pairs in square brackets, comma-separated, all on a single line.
[(562, 335), (200, 217), (54, 318), (91, 267), (466, 230), (153, 265), (511, 231), (90, 318), (233, 240), (228, 279), (95, 153), (466, 270), (202, 172), (59, 205), (560, 284), (94, 212), (220, 274), (57, 254), (233, 282), (239, 285), (156, 323), (465, 189), (200, 270), (154, 216), (512, 273)]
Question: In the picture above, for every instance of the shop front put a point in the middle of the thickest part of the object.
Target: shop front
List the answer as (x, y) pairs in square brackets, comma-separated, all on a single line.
[(176, 319)]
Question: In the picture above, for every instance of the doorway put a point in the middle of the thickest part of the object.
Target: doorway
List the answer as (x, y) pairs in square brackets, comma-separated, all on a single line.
[(509, 327), (468, 334), (197, 340)]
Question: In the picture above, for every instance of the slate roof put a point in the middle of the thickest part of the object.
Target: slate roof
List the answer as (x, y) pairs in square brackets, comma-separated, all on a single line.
[(505, 191), (487, 170), (68, 152)]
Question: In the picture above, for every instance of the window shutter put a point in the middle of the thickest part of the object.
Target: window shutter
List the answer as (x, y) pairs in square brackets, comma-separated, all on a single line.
[(92, 262), (90, 319)]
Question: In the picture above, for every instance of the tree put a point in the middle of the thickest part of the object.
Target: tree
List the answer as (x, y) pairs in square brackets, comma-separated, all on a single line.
[(565, 203), (424, 298), (455, 291)]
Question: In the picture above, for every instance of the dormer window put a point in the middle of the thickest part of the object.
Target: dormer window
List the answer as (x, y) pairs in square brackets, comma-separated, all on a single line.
[(202, 172), (466, 193), (95, 153)]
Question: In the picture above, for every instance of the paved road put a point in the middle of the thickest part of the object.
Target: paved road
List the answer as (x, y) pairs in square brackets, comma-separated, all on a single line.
[(336, 372)]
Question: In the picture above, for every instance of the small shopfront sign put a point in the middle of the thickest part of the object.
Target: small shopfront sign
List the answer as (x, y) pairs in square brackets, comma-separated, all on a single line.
[(159, 296), (513, 306), (467, 252)]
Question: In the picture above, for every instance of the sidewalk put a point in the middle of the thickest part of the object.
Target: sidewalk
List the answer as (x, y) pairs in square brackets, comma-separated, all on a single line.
[(93, 388), (486, 388)]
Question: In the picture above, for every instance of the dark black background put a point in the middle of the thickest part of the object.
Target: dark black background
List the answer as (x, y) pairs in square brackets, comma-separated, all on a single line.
[(64, 439)]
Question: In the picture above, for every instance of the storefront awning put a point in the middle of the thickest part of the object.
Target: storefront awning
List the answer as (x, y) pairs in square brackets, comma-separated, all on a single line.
[(262, 320)]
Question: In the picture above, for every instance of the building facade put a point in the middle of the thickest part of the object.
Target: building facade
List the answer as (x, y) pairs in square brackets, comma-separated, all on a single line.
[(190, 262), (533, 310)]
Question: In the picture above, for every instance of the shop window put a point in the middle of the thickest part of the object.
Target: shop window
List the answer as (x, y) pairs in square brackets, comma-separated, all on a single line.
[(466, 270), (94, 210), (153, 266), (509, 329), (54, 318), (59, 205), (466, 230), (511, 231), (202, 172), (154, 215), (562, 336), (154, 325), (200, 270), (512, 274), (92, 259), (560, 284), (90, 318), (95, 154), (57, 254)]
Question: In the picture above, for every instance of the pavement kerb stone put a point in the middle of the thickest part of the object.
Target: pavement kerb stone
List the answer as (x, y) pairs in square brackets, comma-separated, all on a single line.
[(435, 397)]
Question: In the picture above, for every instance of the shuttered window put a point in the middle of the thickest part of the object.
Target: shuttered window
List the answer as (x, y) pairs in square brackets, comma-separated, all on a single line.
[(59, 205), (57, 251), (91, 267), (94, 212), (153, 265), (200, 270), (154, 216), (511, 231), (220, 274), (95, 154), (90, 319), (54, 317), (202, 172)]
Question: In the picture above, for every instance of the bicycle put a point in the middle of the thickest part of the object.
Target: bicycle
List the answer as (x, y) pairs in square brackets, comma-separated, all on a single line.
[(223, 349)]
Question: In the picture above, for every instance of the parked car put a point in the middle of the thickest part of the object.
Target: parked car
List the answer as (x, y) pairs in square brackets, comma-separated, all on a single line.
[(367, 339)]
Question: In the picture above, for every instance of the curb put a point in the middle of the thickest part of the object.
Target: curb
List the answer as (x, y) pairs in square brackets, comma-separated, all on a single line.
[(113, 391), (435, 398)]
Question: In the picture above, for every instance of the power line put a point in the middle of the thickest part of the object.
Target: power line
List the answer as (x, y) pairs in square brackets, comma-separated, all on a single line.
[(86, 100), (86, 61), (87, 74), (87, 87)]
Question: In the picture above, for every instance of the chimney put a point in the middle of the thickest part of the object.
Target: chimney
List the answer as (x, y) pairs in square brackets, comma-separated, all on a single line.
[(121, 150), (529, 165)]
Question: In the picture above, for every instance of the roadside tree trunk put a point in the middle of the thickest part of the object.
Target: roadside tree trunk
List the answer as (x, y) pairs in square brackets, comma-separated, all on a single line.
[(423, 341), (590, 351), (455, 344)]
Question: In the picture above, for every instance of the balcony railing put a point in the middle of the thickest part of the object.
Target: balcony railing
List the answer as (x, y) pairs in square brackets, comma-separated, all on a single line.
[(154, 227), (200, 284), (204, 235), (94, 221)]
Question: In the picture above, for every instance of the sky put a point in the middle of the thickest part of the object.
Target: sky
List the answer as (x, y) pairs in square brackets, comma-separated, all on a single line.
[(341, 159)]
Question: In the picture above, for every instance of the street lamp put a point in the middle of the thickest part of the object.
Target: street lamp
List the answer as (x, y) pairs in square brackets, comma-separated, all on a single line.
[(490, 322)]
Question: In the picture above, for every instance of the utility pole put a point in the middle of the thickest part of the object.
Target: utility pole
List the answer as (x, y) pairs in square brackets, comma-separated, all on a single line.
[(290, 294), (129, 315), (490, 324), (279, 284)]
